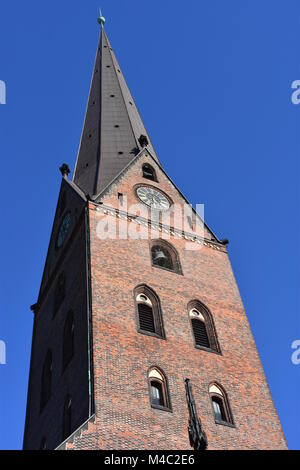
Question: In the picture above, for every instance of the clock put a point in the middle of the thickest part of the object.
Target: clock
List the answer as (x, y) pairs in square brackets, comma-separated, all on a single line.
[(63, 230), (153, 198)]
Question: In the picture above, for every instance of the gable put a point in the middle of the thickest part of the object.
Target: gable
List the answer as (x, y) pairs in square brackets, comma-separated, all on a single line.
[(70, 201), (181, 214)]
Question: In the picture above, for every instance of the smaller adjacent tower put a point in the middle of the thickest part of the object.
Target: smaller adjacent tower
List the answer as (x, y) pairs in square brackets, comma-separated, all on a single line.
[(140, 337)]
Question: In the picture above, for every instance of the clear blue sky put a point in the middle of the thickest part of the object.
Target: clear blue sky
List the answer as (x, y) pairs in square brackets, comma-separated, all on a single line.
[(212, 80)]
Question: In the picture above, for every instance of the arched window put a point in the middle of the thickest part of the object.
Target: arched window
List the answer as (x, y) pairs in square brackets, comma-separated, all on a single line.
[(46, 380), (199, 329), (148, 312), (67, 418), (203, 326), (68, 339), (149, 172), (59, 294), (158, 388), (164, 255), (220, 404)]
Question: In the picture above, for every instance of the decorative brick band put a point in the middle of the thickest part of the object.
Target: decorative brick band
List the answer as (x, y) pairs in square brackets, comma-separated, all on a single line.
[(108, 210)]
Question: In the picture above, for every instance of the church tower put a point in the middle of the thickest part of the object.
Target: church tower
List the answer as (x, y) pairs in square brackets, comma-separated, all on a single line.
[(140, 337)]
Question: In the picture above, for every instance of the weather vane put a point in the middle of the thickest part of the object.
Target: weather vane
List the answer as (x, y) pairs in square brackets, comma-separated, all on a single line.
[(101, 19)]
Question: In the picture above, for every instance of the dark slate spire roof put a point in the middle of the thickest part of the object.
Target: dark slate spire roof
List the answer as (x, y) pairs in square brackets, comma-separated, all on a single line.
[(112, 126)]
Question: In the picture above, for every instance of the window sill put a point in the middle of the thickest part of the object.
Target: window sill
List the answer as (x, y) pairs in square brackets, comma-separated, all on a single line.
[(161, 408), (168, 270), (225, 423), (148, 333), (203, 348)]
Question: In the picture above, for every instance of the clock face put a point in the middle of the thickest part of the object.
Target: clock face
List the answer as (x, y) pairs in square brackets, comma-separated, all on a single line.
[(63, 230), (153, 198)]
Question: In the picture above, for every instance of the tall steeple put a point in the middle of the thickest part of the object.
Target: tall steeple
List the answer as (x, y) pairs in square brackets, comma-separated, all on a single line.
[(113, 131), (134, 299)]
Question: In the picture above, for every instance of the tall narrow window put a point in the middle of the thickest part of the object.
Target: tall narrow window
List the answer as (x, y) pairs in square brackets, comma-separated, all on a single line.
[(67, 418), (145, 311), (164, 255), (158, 387), (220, 405), (149, 172), (199, 328), (59, 293), (68, 339), (157, 393), (46, 380), (120, 197), (148, 312), (203, 327)]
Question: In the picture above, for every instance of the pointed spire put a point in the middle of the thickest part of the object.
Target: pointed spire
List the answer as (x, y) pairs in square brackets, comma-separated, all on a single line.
[(113, 131)]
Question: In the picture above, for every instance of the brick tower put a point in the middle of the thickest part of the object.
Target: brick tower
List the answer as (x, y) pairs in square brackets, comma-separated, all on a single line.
[(140, 336)]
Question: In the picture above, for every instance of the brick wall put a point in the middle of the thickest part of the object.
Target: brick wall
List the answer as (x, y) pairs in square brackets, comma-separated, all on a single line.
[(122, 356)]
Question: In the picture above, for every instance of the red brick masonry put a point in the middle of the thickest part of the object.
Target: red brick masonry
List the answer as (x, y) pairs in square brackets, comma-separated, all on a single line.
[(124, 418)]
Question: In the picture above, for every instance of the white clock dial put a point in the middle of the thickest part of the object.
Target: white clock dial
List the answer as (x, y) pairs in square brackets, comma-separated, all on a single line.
[(153, 198)]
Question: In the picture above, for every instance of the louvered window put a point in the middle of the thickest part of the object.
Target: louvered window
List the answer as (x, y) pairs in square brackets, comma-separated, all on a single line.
[(146, 318), (148, 310), (200, 333), (203, 327)]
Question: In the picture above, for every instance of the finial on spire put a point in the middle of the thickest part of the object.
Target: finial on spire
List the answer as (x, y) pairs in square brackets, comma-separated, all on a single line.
[(101, 19), (65, 170)]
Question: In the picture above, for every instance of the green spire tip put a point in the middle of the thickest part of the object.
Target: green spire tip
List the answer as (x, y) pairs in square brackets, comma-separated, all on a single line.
[(101, 20)]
